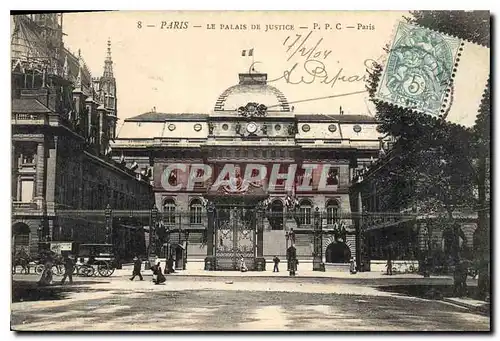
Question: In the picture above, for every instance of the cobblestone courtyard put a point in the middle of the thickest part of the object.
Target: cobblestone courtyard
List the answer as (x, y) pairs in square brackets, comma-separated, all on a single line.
[(221, 303)]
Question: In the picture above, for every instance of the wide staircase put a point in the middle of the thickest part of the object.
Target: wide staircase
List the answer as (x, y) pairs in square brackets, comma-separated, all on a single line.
[(275, 245), (303, 244)]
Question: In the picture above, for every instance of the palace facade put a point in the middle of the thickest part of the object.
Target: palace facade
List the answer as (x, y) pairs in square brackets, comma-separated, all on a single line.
[(251, 122)]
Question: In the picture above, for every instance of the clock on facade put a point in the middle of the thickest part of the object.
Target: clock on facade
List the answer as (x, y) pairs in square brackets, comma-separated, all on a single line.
[(252, 127)]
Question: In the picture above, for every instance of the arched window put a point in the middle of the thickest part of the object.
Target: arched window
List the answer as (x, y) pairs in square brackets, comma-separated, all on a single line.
[(21, 234), (276, 219), (305, 209), (169, 211), (195, 209), (332, 209)]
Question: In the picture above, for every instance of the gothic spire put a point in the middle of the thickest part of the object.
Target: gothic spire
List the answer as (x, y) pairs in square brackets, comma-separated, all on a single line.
[(65, 67), (108, 63), (78, 81)]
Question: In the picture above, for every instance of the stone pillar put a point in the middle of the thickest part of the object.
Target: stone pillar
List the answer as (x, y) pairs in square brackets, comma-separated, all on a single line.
[(14, 176), (260, 233), (210, 260), (101, 133), (318, 242), (359, 236), (89, 104), (40, 171)]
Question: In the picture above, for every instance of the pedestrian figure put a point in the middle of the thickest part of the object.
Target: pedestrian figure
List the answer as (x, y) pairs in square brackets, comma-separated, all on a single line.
[(352, 267), (46, 277), (69, 267), (276, 261), (460, 278), (137, 269), (169, 267), (389, 267), (158, 277), (293, 266), (291, 236), (243, 266), (389, 261)]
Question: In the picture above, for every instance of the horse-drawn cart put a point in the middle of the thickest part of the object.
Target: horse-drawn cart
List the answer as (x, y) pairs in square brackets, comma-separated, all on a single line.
[(96, 258)]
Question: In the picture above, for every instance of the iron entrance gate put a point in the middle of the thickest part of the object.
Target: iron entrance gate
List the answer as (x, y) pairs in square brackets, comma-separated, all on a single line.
[(235, 237)]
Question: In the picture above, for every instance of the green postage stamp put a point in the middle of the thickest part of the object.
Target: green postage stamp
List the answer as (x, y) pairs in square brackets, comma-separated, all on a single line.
[(419, 71)]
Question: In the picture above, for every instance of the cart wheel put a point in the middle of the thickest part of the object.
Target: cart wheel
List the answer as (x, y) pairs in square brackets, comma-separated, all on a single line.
[(86, 271), (105, 270)]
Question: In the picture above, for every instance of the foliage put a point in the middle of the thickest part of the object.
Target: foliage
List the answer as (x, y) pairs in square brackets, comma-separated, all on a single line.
[(435, 168), (473, 26)]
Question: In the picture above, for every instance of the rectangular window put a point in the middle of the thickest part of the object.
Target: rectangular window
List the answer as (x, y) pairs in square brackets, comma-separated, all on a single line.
[(169, 215), (27, 154), (22, 240), (26, 190), (305, 215), (331, 215), (195, 216)]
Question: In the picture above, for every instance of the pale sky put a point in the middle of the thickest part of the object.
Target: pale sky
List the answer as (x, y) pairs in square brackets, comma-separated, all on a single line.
[(185, 70)]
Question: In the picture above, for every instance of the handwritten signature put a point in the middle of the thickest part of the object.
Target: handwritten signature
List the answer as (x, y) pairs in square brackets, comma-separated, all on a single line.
[(316, 71)]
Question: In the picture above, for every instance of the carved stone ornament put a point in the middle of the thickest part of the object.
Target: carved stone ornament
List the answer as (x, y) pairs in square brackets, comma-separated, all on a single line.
[(253, 110)]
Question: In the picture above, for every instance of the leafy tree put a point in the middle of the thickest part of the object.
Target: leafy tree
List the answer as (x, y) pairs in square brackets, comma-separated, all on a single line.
[(440, 165)]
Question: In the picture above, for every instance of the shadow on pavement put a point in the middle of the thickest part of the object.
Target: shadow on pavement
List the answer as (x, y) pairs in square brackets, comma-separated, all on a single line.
[(433, 292), (23, 291)]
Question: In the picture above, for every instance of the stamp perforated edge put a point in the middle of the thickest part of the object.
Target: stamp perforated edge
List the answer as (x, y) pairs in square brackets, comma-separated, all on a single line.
[(448, 96)]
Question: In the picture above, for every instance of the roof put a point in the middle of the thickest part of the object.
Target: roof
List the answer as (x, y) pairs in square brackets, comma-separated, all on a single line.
[(252, 88), (336, 118), (162, 117), (28, 105)]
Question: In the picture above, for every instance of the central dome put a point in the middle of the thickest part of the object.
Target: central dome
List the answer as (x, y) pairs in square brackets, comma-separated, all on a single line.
[(252, 88)]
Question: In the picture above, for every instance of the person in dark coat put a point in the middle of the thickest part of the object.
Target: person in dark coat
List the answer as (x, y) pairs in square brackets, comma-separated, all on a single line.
[(69, 267), (159, 278), (137, 269), (169, 267), (389, 261), (276, 261), (460, 277), (293, 266)]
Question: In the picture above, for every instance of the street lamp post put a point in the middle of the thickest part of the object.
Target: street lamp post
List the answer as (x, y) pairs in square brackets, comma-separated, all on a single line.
[(167, 239), (318, 242), (40, 236), (152, 230)]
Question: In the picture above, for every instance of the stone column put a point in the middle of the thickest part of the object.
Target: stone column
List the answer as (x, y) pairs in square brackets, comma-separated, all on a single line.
[(318, 242), (359, 236), (260, 233), (210, 259), (40, 170)]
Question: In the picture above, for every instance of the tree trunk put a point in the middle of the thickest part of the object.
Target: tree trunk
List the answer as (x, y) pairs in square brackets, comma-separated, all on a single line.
[(482, 234)]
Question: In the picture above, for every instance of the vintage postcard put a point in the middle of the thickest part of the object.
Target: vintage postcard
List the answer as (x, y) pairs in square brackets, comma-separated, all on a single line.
[(250, 171)]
